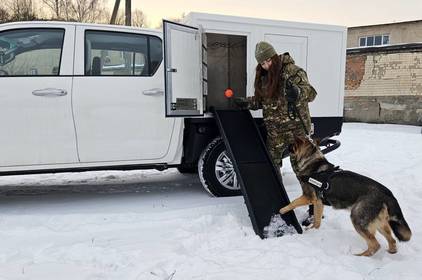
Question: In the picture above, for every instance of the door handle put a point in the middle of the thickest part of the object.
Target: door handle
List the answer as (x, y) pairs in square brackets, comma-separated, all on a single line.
[(153, 91), (172, 70), (49, 92)]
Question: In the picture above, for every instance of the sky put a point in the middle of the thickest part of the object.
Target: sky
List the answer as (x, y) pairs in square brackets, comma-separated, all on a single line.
[(338, 12)]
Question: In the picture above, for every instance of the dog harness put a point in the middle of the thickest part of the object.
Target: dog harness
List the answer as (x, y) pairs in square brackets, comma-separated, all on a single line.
[(320, 181)]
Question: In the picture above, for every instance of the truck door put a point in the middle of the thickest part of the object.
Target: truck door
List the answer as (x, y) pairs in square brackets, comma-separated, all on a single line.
[(36, 62), (185, 70), (118, 96)]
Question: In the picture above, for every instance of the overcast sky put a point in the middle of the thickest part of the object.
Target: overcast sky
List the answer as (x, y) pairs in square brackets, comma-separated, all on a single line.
[(340, 12)]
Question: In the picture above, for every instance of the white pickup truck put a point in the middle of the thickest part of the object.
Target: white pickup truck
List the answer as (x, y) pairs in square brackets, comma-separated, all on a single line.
[(77, 97)]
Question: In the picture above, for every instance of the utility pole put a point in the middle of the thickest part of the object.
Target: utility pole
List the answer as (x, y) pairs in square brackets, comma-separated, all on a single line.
[(115, 10), (128, 12)]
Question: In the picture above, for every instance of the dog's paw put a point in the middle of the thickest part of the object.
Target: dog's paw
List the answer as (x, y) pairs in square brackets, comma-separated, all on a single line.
[(308, 221), (316, 225), (370, 251), (392, 250), (310, 226), (367, 253)]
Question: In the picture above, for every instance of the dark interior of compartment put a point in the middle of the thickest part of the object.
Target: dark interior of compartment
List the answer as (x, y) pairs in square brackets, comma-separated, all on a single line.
[(226, 59)]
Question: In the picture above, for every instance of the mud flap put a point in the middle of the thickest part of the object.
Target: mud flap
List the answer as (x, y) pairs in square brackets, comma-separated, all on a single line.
[(260, 184)]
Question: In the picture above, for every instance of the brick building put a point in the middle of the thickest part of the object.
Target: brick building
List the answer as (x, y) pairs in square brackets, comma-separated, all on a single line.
[(384, 73)]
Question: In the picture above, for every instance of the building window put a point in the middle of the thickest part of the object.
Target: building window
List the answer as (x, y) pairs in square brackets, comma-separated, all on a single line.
[(370, 41), (378, 40), (375, 40)]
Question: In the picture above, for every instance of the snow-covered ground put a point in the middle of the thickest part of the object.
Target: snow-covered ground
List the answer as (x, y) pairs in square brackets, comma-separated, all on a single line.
[(163, 225)]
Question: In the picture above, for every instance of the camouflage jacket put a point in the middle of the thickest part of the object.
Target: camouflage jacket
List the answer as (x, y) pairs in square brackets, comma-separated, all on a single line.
[(275, 110)]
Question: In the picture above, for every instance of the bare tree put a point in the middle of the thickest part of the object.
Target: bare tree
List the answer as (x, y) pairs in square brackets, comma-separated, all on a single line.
[(4, 15), (66, 12), (55, 6), (76, 10), (87, 10), (21, 10), (60, 9), (139, 18)]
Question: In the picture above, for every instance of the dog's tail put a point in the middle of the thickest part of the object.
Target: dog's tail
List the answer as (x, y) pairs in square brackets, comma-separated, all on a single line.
[(397, 222)]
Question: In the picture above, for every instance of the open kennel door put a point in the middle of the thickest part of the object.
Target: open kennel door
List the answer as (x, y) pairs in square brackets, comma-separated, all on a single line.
[(185, 70)]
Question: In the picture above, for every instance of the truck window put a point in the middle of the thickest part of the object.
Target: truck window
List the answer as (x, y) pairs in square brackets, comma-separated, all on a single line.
[(31, 52), (121, 54)]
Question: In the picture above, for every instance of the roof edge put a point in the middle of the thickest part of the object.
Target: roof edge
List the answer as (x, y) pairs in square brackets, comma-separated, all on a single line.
[(388, 23)]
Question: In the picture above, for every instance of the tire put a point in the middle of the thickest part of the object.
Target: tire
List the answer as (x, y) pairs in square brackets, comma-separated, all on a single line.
[(216, 170)]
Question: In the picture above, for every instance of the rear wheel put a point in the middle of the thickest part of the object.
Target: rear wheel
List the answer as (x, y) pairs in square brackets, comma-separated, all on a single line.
[(216, 170)]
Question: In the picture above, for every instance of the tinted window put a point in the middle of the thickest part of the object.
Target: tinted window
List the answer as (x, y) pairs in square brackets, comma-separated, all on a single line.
[(31, 52), (362, 41), (121, 54)]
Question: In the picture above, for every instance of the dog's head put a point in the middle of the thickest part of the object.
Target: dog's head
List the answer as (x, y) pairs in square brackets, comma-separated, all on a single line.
[(303, 148)]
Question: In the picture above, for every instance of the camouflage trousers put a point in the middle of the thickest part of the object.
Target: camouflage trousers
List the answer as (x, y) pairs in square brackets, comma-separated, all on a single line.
[(278, 142)]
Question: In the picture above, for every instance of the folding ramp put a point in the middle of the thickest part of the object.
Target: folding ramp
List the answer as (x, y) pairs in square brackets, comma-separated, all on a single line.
[(260, 184)]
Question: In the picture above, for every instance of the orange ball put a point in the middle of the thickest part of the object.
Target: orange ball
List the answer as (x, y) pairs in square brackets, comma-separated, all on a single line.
[(228, 93)]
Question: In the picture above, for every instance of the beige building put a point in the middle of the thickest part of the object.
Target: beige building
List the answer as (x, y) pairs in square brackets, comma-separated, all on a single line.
[(385, 34), (384, 73)]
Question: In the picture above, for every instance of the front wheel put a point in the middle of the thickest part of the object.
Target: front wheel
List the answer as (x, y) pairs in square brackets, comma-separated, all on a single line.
[(216, 170)]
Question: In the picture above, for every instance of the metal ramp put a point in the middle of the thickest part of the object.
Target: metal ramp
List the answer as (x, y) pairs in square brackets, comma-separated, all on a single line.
[(260, 184)]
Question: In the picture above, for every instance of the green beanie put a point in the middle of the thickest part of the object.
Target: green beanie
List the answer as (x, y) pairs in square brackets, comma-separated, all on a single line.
[(264, 51)]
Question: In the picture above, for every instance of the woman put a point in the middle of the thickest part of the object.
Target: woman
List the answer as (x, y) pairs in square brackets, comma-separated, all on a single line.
[(282, 91)]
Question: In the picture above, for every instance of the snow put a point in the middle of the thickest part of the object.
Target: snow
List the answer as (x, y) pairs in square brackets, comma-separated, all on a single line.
[(278, 227), (163, 225)]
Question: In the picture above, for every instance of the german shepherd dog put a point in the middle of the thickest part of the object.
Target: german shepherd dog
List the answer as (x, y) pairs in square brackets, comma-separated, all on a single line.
[(373, 206)]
